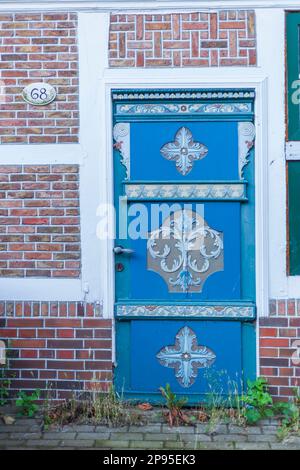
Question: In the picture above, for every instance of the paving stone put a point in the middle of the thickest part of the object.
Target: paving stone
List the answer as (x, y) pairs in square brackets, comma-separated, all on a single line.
[(284, 446), (262, 438), (121, 429), (229, 438), (155, 445), (160, 437), (102, 428), (292, 440), (269, 421), (59, 435), (42, 443), (202, 428), (27, 435), (174, 445), (13, 443), (147, 428), (270, 429), (179, 429), (156, 417), (253, 430), (28, 422), (92, 435), (82, 428), (83, 443), (123, 436), (252, 446), (195, 438), (109, 444), (233, 429), (14, 428), (217, 429), (20, 448), (155, 435), (215, 445)]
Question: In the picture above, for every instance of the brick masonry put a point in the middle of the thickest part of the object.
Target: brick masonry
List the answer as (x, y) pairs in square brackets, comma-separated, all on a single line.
[(58, 347), (280, 347), (65, 347), (222, 38), (39, 221), (38, 47)]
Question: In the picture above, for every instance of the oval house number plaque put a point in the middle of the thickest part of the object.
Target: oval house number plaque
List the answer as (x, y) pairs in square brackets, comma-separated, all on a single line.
[(39, 94)]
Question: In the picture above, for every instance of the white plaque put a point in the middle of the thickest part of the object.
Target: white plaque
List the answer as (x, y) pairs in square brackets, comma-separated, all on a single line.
[(39, 94)]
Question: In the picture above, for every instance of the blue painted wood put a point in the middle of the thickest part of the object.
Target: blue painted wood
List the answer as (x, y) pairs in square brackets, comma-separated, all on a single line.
[(240, 364), (220, 138), (147, 284), (148, 338)]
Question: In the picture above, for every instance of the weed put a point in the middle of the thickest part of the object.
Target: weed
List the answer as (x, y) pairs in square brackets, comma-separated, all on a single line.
[(223, 401), (107, 408), (4, 388), (290, 412), (258, 401), (174, 404), (26, 404), (110, 409)]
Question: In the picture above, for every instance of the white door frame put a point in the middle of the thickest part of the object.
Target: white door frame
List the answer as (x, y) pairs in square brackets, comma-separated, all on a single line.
[(126, 79)]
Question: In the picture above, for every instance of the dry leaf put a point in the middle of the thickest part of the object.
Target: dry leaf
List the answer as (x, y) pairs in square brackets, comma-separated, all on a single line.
[(202, 416), (8, 419), (145, 406)]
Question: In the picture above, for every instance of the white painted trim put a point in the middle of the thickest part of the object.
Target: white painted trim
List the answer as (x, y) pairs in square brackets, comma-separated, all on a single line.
[(144, 6), (94, 125), (28, 154), (40, 289), (274, 68)]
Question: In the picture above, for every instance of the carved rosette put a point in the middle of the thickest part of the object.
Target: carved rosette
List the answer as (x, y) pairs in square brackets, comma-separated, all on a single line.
[(184, 151), (186, 357)]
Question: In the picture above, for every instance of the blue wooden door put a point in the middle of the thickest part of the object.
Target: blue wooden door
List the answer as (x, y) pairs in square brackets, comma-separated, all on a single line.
[(185, 245)]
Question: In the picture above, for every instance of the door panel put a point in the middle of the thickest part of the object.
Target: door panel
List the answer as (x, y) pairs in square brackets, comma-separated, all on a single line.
[(185, 246), (220, 139), (148, 351), (225, 284)]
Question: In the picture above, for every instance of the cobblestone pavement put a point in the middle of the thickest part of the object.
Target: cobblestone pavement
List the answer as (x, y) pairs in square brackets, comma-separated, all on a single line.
[(28, 434)]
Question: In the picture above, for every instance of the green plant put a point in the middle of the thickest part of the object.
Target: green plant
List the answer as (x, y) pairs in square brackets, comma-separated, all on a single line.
[(290, 413), (174, 404), (258, 401), (107, 408), (26, 404), (4, 388), (223, 401)]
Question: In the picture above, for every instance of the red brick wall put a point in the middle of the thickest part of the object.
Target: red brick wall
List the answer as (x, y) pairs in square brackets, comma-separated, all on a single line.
[(39, 221), (58, 347), (38, 47), (224, 38), (280, 347)]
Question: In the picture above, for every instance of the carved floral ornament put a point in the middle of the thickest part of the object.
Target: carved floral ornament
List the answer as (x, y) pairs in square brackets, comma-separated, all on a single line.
[(246, 136), (186, 357), (121, 134), (185, 251), (184, 150)]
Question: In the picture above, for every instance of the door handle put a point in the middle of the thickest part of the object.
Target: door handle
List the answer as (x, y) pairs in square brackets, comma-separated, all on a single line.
[(119, 250)]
